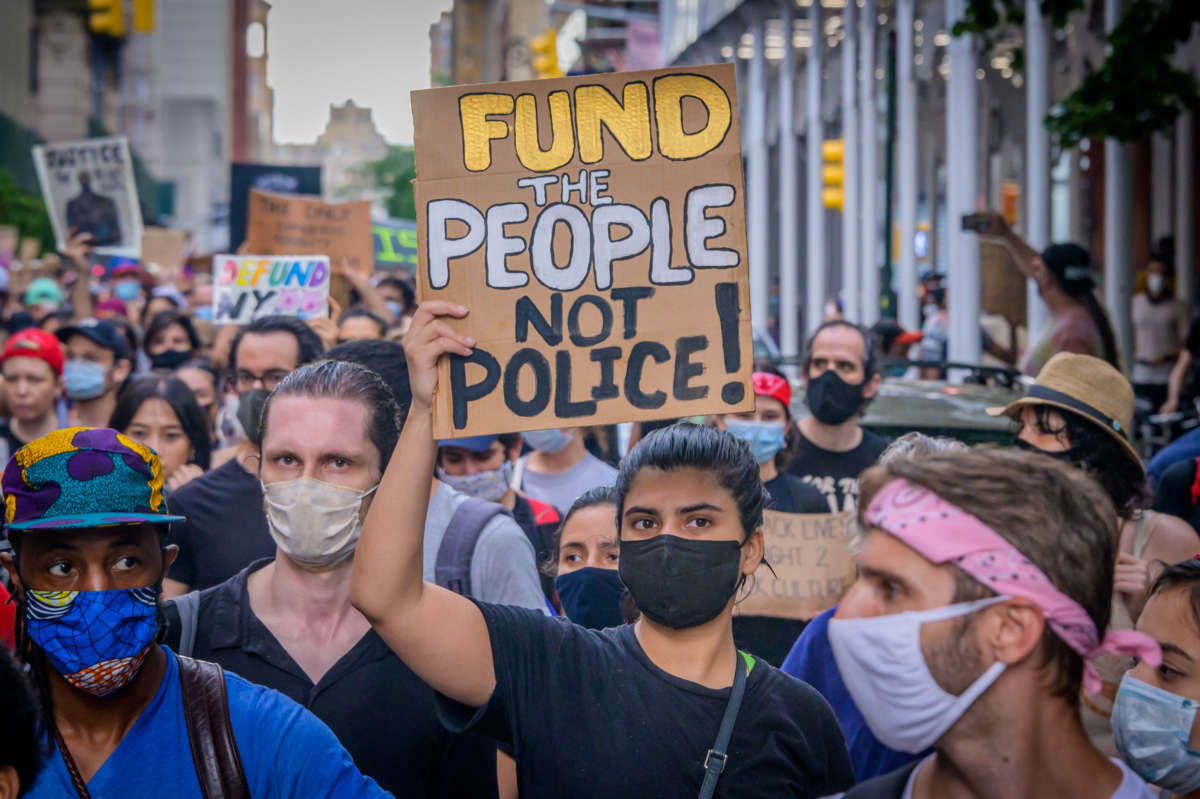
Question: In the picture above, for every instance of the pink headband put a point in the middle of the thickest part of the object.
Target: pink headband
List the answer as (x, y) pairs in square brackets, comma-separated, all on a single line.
[(943, 533)]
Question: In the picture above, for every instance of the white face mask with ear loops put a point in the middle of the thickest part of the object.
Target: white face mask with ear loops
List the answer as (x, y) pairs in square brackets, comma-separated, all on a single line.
[(881, 662), (316, 524)]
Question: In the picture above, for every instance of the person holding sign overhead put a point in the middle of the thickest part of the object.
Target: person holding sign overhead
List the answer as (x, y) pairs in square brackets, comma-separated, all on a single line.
[(682, 706)]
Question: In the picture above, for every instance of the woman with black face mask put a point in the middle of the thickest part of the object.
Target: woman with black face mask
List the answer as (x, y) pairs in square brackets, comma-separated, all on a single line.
[(661, 707), (1079, 411), (170, 340)]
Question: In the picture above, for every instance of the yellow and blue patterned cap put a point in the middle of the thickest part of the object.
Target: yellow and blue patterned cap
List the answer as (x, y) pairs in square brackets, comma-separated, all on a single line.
[(82, 477)]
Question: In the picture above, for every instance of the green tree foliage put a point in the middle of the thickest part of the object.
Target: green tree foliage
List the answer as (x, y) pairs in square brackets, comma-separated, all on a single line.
[(26, 211), (396, 172), (1135, 92)]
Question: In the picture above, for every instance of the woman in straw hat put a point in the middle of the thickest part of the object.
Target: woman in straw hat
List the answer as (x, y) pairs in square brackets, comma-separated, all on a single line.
[(1079, 410)]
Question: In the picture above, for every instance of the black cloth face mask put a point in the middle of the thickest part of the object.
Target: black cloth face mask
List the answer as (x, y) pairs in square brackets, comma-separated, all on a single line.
[(591, 597), (1071, 456), (170, 359), (680, 582), (831, 399)]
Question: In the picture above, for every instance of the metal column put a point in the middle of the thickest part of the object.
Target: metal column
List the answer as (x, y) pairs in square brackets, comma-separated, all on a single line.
[(851, 286), (1037, 153), (814, 266), (1185, 209), (868, 167), (906, 193), (1118, 225), (758, 189), (789, 190), (962, 187)]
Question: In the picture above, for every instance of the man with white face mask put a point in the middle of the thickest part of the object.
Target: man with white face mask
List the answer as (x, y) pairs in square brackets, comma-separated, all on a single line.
[(287, 623), (985, 581)]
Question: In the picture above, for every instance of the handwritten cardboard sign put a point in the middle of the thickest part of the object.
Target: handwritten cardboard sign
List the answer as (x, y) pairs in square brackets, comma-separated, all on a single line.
[(165, 247), (595, 226), (89, 187), (246, 287), (280, 224), (813, 563)]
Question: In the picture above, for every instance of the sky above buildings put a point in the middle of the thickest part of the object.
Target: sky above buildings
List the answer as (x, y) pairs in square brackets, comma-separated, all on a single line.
[(372, 51)]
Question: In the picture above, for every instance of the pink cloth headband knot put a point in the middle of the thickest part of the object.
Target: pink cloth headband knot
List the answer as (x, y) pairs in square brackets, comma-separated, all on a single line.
[(943, 533)]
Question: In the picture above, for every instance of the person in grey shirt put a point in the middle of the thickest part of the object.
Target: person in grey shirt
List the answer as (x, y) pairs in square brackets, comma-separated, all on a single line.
[(560, 468), (503, 567)]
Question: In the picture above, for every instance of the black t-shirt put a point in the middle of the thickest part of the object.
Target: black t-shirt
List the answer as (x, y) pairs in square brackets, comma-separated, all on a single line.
[(381, 711), (226, 528), (589, 715), (790, 494), (769, 638), (10, 439), (835, 474), (1174, 494)]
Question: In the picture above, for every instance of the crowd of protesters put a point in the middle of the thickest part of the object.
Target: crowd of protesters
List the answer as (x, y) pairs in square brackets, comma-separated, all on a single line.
[(237, 562)]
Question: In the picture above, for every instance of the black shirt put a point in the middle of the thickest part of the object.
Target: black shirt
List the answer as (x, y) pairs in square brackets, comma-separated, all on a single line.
[(589, 715), (10, 438), (769, 638), (790, 494), (381, 711), (226, 528), (1174, 494), (835, 474)]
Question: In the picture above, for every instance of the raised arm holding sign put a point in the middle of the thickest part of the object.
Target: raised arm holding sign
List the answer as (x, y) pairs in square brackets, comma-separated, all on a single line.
[(596, 229)]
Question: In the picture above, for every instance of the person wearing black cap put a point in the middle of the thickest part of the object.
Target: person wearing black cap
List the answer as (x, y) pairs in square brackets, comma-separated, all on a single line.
[(98, 364), (1064, 277)]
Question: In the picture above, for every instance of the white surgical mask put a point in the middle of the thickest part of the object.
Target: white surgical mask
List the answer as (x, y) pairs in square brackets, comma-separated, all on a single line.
[(881, 662), (314, 523), (552, 440), (491, 485), (1151, 729), (1155, 283)]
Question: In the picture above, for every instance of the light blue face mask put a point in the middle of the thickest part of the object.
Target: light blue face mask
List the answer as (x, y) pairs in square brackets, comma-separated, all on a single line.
[(395, 308), (1151, 728), (83, 380), (127, 290), (765, 439), (552, 440)]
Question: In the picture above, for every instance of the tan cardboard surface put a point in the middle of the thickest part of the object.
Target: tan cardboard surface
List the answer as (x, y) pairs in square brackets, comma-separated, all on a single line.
[(595, 226), (813, 563)]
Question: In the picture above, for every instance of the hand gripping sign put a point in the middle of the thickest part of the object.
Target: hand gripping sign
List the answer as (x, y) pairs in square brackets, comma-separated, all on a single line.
[(595, 227)]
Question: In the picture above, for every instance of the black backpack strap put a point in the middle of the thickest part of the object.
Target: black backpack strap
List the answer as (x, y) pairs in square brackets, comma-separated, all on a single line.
[(210, 733), (714, 762), (453, 569), (885, 786)]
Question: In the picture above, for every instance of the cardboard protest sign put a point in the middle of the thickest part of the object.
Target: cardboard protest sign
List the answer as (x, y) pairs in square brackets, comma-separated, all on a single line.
[(395, 245), (165, 247), (246, 287), (282, 223), (813, 565), (595, 227), (9, 236), (268, 177), (88, 187)]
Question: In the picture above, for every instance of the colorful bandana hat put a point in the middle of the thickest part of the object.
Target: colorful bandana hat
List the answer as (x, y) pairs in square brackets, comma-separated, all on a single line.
[(82, 477), (97, 640)]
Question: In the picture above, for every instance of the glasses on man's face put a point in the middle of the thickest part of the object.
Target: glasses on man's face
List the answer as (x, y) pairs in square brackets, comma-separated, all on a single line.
[(247, 380)]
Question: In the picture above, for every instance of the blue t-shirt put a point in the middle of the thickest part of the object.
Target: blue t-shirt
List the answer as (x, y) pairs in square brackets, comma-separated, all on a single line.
[(811, 660), (286, 751)]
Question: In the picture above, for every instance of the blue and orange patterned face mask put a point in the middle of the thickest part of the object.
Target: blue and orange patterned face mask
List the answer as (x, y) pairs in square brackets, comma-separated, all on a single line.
[(97, 640)]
